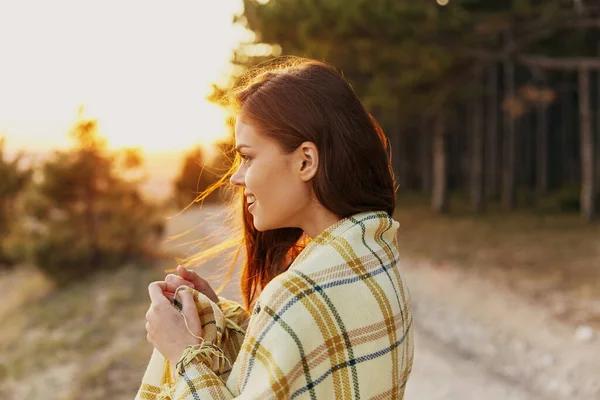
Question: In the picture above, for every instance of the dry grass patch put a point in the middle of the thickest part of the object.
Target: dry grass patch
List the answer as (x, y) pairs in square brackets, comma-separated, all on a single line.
[(91, 324)]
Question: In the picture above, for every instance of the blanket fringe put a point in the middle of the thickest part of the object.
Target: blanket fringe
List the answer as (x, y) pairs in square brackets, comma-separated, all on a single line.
[(204, 353), (166, 392)]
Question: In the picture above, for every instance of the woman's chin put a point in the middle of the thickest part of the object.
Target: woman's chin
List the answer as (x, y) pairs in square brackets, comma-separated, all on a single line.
[(256, 222), (259, 225), (262, 225)]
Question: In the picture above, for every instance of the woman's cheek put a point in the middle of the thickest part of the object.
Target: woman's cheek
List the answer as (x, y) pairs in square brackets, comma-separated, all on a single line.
[(255, 175), (249, 178), (253, 181)]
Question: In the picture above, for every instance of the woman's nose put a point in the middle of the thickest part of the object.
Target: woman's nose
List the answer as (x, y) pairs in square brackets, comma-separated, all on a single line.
[(237, 179)]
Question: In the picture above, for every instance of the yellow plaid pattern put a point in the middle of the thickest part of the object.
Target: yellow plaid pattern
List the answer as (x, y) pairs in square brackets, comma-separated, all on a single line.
[(337, 324)]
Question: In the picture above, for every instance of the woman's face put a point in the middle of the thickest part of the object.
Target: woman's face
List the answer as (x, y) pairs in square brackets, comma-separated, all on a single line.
[(275, 184)]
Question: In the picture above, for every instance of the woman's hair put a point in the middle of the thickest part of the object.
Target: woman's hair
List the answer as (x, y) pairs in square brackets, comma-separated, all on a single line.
[(304, 100)]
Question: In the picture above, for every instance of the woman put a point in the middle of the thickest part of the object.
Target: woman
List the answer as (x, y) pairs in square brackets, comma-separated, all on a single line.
[(328, 311)]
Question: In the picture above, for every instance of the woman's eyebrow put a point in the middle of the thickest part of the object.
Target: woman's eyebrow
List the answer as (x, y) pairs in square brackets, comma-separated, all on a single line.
[(241, 146)]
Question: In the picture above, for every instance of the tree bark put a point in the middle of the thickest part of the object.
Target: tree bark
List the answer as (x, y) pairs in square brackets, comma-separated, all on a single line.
[(568, 168), (587, 147), (492, 133), (525, 175), (439, 199), (542, 150), (596, 134), (597, 155), (477, 142), (425, 158), (509, 159)]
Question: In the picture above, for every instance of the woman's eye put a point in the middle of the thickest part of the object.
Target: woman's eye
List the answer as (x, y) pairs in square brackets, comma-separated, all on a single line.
[(245, 158)]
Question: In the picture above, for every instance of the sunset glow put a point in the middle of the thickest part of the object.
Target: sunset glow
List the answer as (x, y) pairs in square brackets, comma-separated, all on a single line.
[(141, 68)]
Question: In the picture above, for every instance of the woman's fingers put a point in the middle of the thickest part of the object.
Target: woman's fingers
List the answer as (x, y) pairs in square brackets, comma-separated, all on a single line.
[(188, 308), (178, 281), (171, 287), (156, 291), (169, 296), (200, 284), (190, 276)]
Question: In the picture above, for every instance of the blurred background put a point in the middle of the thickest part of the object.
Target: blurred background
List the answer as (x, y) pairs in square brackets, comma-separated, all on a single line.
[(111, 124)]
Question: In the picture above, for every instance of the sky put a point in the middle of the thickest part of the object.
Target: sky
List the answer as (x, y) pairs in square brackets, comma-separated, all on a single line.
[(141, 68)]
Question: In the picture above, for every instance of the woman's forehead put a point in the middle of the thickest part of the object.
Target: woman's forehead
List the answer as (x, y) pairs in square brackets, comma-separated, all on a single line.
[(245, 133)]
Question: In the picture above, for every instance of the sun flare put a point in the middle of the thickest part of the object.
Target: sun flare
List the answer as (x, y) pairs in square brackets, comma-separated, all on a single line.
[(169, 129), (142, 69)]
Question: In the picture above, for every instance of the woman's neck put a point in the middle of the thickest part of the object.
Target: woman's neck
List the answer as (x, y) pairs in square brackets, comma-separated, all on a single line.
[(316, 219)]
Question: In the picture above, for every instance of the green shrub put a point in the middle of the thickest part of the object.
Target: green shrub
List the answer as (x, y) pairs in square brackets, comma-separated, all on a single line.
[(13, 180), (82, 215)]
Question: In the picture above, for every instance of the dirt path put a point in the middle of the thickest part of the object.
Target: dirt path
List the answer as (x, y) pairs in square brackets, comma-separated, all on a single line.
[(440, 372), (477, 340)]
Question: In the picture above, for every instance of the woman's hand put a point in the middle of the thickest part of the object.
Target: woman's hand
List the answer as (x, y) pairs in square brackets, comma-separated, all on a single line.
[(192, 279), (165, 324)]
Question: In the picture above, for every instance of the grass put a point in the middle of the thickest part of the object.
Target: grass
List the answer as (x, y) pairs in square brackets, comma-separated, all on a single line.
[(550, 258), (90, 335), (81, 324)]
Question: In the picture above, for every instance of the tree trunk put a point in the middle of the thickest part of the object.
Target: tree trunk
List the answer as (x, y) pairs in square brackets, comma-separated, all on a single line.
[(439, 200), (492, 133), (477, 142), (509, 192), (567, 170), (587, 147), (425, 157), (524, 137), (542, 150), (597, 155)]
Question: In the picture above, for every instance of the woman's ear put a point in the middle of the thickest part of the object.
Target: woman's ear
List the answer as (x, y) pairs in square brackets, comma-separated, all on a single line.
[(307, 161)]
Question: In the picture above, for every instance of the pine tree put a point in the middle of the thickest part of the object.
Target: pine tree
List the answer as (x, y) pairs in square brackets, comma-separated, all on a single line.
[(412, 63)]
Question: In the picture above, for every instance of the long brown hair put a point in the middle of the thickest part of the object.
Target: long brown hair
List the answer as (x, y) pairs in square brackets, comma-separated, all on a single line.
[(301, 100)]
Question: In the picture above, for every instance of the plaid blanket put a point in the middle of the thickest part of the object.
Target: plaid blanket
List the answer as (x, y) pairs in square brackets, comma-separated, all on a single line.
[(337, 324)]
